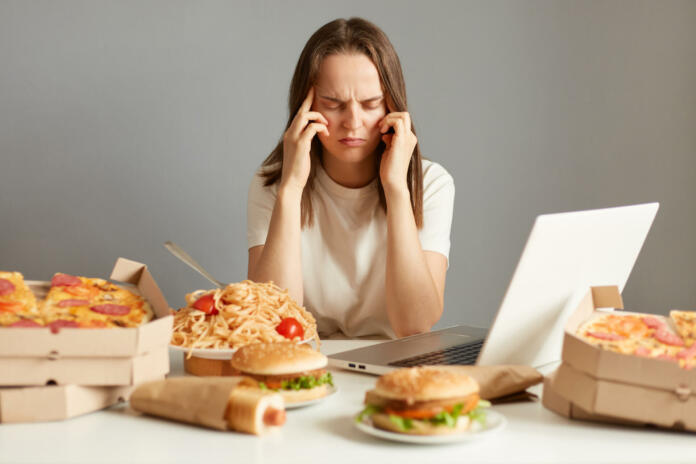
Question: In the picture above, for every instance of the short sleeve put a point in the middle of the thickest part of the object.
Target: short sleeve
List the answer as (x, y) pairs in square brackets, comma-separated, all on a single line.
[(260, 203), (438, 207)]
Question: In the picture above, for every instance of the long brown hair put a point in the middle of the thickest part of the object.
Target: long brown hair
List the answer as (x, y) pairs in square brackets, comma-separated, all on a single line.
[(354, 35)]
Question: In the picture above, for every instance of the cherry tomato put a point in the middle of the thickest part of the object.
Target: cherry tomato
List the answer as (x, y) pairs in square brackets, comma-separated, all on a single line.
[(290, 328), (206, 303)]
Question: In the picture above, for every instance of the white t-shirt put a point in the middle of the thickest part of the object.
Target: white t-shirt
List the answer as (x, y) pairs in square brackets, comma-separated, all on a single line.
[(344, 253)]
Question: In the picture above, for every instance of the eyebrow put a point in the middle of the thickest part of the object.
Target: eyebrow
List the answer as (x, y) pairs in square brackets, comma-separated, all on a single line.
[(338, 100)]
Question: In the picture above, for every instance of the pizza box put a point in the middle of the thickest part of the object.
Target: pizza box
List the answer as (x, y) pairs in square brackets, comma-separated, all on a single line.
[(112, 371), (553, 401), (57, 402), (96, 343), (575, 394), (608, 365), (598, 382)]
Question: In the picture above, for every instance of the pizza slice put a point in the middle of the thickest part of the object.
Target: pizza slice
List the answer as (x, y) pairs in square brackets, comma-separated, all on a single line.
[(17, 302), (93, 302), (685, 322)]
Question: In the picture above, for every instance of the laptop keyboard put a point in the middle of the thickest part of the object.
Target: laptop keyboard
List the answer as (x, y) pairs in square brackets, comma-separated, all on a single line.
[(458, 354)]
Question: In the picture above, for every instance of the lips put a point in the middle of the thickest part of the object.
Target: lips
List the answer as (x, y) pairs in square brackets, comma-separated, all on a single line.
[(352, 141)]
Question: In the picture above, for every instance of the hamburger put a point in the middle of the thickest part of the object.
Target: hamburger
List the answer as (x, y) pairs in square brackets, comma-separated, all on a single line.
[(429, 400), (297, 372)]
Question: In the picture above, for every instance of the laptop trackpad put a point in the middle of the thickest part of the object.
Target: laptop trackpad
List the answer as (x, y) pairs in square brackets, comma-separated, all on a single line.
[(387, 352)]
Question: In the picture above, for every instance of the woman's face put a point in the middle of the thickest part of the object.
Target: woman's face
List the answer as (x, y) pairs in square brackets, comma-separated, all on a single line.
[(348, 92)]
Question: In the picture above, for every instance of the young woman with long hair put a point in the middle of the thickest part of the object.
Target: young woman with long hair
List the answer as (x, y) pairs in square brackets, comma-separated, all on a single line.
[(344, 212)]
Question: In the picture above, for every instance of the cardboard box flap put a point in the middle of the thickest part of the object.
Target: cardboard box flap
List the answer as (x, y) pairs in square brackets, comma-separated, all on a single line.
[(133, 272), (607, 297), (596, 297), (128, 271)]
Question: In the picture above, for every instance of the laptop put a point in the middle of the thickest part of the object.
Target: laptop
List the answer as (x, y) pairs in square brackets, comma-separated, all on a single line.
[(564, 255)]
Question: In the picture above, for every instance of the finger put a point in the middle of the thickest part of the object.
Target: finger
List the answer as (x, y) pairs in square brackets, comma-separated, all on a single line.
[(396, 123), (312, 130), (387, 139), (388, 121), (304, 118), (391, 119), (314, 116), (307, 103), (304, 107)]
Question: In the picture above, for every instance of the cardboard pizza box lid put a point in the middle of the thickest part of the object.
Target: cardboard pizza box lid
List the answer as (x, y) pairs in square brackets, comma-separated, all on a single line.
[(627, 402), (603, 364), (56, 402), (24, 371), (122, 342)]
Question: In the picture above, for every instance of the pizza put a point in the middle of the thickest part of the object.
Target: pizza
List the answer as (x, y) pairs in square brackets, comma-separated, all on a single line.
[(74, 301), (685, 321), (643, 335), (16, 299)]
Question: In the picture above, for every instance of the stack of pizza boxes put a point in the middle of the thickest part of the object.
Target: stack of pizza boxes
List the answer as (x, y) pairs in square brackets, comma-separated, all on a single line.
[(51, 375), (601, 385)]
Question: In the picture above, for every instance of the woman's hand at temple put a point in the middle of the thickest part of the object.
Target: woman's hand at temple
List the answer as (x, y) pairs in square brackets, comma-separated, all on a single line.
[(297, 142), (280, 258), (397, 154), (415, 279)]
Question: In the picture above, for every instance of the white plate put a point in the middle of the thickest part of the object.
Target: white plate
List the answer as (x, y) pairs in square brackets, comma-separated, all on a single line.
[(495, 422), (302, 404), (211, 353)]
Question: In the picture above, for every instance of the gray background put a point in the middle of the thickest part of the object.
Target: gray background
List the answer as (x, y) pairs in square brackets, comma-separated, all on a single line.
[(125, 124)]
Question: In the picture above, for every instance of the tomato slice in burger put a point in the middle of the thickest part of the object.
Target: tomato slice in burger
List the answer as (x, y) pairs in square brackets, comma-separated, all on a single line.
[(290, 328), (206, 303), (425, 413)]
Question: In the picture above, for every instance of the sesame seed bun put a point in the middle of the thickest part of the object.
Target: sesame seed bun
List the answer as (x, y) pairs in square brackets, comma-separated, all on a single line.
[(425, 383), (277, 358)]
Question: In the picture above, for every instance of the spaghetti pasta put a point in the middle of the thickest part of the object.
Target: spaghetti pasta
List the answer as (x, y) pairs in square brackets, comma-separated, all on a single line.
[(247, 312)]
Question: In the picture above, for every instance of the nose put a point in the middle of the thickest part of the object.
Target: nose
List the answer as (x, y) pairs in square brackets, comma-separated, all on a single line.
[(353, 118)]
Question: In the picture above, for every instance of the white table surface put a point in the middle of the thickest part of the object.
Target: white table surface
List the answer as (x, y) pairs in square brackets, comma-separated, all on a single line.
[(324, 433)]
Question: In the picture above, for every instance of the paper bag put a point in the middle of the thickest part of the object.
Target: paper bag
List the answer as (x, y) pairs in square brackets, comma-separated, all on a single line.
[(502, 381), (223, 403)]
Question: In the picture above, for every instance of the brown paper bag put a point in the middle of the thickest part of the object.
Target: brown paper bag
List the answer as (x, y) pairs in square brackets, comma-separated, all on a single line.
[(503, 381), (223, 403)]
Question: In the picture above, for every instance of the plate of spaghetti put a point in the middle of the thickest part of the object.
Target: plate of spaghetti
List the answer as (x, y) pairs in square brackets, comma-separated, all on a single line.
[(216, 322)]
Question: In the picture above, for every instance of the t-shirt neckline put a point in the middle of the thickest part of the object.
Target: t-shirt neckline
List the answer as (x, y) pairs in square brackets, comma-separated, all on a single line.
[(345, 192)]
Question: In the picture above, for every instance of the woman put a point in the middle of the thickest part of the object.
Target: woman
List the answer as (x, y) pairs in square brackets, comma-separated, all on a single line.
[(344, 212)]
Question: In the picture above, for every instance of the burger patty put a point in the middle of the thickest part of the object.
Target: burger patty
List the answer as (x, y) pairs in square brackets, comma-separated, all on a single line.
[(469, 401), (279, 378)]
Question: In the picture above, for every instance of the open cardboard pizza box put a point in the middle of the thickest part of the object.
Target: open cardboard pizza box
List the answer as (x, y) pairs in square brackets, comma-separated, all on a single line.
[(597, 382), (106, 357)]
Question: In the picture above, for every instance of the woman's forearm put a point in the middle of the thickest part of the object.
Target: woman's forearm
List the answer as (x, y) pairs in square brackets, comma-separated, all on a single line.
[(413, 301), (281, 258)]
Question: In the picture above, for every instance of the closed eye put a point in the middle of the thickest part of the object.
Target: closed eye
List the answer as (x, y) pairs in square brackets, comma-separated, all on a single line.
[(373, 105)]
